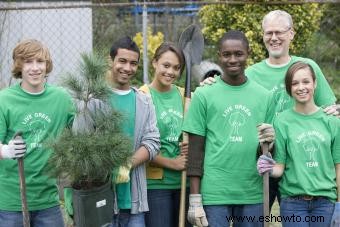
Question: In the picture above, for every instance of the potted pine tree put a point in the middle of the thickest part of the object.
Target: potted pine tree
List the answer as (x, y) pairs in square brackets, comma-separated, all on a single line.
[(87, 153)]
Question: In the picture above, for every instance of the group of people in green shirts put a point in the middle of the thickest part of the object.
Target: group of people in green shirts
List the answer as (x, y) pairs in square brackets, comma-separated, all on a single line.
[(283, 100)]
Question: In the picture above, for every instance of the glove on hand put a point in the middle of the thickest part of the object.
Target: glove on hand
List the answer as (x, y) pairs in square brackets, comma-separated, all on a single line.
[(266, 133), (336, 216), (196, 214), (265, 164), (16, 148), (123, 175)]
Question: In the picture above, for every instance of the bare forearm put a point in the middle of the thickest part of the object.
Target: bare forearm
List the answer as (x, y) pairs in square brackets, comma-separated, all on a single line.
[(195, 185), (140, 156), (277, 170), (161, 161)]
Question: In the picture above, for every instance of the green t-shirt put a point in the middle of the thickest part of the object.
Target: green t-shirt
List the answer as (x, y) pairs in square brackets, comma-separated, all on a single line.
[(169, 112), (272, 78), (309, 147), (126, 105), (227, 117), (39, 117)]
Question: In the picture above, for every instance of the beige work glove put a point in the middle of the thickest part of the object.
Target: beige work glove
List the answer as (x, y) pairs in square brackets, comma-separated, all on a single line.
[(123, 175), (196, 214)]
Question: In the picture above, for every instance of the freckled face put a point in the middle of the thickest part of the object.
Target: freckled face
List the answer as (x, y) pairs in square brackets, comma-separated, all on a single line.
[(303, 86)]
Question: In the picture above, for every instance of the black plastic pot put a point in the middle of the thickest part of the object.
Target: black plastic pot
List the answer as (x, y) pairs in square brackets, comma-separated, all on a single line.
[(93, 207)]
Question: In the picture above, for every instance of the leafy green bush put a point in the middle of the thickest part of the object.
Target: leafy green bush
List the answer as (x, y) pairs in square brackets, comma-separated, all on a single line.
[(218, 19)]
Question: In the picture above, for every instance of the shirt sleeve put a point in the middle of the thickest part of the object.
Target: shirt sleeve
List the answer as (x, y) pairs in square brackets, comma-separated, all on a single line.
[(195, 118), (336, 140), (280, 143)]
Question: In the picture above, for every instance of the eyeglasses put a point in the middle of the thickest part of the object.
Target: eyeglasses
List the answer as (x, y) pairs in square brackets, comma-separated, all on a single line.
[(278, 34)]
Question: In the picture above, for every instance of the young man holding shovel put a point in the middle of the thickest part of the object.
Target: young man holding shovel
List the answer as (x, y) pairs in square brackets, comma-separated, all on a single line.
[(278, 33), (40, 112), (222, 123)]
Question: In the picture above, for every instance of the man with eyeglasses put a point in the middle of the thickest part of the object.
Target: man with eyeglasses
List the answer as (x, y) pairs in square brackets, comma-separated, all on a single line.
[(278, 33)]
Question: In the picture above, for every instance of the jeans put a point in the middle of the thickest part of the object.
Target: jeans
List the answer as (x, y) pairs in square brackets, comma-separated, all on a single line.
[(126, 219), (242, 215), (306, 213), (50, 217), (164, 208)]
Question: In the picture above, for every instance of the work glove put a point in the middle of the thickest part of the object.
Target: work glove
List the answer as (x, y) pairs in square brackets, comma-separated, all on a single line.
[(266, 133), (196, 214), (16, 148), (265, 163), (123, 175), (336, 216)]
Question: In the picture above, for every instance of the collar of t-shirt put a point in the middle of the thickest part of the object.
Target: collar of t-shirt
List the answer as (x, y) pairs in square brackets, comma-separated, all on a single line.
[(277, 66), (121, 92)]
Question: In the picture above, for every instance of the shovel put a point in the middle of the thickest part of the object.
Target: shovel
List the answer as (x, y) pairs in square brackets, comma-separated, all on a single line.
[(25, 213), (264, 148), (191, 42)]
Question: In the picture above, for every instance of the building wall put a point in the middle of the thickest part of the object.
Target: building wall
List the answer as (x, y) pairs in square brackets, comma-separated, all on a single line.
[(67, 32)]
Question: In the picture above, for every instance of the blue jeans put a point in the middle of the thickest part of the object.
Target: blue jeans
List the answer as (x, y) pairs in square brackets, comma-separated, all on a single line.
[(51, 217), (306, 213), (164, 208), (242, 215), (126, 219)]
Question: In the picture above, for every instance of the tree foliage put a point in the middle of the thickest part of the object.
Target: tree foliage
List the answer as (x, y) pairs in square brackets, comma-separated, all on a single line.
[(325, 46), (87, 153), (218, 19)]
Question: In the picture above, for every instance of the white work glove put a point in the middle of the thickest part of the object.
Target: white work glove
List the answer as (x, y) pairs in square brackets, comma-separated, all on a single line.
[(15, 148), (196, 214), (336, 216)]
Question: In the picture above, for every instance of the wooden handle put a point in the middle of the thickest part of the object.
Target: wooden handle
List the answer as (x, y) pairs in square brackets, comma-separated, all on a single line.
[(25, 213), (266, 212), (182, 211)]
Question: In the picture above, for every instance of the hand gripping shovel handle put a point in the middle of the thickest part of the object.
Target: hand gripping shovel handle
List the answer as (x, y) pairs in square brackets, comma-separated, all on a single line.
[(265, 147), (25, 213)]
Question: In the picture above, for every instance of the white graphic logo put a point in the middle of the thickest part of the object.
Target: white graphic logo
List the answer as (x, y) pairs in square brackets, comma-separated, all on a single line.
[(171, 119), (36, 124), (237, 117), (310, 142)]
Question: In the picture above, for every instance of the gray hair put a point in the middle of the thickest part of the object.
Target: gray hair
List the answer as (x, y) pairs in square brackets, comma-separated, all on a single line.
[(275, 14)]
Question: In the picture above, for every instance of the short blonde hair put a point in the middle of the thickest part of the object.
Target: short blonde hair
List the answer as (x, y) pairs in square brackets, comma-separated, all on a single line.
[(275, 14), (28, 49)]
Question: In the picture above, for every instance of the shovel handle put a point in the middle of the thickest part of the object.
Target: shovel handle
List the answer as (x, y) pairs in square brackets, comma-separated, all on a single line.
[(265, 151), (25, 213)]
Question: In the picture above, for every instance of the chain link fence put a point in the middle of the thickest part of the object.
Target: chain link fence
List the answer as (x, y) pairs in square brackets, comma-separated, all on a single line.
[(70, 28)]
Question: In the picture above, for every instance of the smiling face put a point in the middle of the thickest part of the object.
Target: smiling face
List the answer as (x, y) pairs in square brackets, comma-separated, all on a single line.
[(277, 35), (303, 86), (233, 56), (33, 74), (124, 67), (167, 70)]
